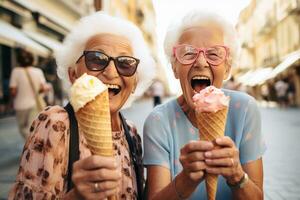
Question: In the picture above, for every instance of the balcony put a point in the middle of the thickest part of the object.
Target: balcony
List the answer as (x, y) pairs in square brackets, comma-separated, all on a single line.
[(270, 61), (267, 27), (293, 7), (249, 45)]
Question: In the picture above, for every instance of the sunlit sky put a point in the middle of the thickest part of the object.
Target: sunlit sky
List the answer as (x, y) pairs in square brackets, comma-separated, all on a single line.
[(167, 10)]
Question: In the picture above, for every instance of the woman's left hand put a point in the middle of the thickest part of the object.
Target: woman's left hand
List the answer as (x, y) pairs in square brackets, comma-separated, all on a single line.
[(224, 160)]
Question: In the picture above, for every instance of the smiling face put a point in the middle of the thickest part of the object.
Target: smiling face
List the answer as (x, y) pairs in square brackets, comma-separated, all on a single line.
[(200, 74), (119, 87)]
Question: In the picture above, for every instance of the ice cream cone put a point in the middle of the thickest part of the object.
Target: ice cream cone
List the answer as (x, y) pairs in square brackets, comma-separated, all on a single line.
[(94, 122), (90, 101), (211, 126)]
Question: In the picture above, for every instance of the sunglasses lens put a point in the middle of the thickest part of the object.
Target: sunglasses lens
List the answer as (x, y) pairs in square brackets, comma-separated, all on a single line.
[(126, 65), (96, 61)]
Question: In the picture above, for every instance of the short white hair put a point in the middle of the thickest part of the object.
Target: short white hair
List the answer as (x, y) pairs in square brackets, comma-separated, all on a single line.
[(102, 23), (197, 18)]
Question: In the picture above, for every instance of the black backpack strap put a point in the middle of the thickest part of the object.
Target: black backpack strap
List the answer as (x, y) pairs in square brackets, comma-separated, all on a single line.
[(73, 144), (134, 157)]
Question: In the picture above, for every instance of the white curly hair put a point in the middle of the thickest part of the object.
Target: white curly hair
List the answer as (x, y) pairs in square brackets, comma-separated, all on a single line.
[(97, 23), (196, 18)]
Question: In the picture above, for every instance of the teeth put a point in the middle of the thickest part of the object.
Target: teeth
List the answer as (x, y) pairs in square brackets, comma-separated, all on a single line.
[(200, 78), (111, 86)]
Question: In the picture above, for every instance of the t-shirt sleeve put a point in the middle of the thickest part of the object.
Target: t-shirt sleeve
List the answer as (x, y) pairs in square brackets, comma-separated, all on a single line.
[(156, 143), (42, 77), (44, 160), (13, 79), (252, 144)]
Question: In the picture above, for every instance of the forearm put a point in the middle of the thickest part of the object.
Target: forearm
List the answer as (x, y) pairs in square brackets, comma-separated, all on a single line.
[(71, 195), (250, 191), (13, 92), (179, 188)]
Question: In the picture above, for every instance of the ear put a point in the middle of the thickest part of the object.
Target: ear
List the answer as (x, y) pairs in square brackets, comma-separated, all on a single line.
[(135, 84), (227, 71), (72, 74), (175, 70)]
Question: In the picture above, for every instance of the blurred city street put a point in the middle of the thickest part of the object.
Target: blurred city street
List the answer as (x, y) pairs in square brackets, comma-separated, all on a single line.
[(280, 126)]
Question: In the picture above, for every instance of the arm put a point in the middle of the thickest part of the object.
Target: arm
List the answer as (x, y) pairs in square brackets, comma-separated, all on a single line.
[(225, 162), (43, 87), (160, 185), (13, 92), (44, 159), (254, 188), (13, 84)]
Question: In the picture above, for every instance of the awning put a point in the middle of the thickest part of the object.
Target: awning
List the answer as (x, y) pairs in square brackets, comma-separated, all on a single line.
[(60, 17), (289, 60), (11, 36), (255, 77), (243, 78), (45, 40), (259, 76)]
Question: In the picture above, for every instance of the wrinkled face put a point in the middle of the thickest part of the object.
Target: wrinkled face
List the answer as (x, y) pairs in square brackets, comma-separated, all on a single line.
[(119, 87), (200, 74)]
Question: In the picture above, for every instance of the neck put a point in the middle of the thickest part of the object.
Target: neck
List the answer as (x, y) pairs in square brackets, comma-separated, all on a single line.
[(188, 111), (116, 122)]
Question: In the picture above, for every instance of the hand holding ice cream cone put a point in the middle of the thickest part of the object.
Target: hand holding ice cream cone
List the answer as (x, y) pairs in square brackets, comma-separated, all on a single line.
[(211, 106), (89, 98)]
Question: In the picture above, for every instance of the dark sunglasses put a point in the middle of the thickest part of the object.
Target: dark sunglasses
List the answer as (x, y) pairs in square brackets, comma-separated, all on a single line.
[(98, 61)]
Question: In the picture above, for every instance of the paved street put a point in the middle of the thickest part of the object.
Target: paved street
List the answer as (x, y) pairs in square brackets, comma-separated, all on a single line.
[(281, 161)]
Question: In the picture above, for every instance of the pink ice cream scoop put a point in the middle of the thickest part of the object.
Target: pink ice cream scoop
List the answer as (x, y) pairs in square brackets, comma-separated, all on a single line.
[(210, 99)]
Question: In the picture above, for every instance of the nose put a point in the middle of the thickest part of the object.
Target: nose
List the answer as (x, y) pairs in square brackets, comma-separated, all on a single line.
[(201, 61), (111, 70)]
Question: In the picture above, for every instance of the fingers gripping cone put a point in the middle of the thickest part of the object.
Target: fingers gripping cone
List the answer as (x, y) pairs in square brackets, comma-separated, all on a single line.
[(211, 126)]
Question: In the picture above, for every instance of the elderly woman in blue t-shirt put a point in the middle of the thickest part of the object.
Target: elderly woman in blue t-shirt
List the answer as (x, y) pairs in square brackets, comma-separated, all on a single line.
[(176, 159)]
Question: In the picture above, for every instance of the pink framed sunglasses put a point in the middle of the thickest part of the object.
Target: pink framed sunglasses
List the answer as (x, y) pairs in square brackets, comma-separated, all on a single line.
[(188, 54)]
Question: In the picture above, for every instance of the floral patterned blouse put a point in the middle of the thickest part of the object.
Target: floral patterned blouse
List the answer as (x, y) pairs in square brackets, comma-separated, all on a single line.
[(44, 162)]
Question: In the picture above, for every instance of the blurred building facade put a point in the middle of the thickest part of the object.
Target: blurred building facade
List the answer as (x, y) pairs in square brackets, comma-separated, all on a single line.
[(142, 13), (38, 26), (41, 25), (270, 35)]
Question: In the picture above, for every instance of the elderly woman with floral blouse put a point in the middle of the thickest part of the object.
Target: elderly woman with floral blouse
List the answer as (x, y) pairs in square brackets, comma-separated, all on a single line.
[(114, 51)]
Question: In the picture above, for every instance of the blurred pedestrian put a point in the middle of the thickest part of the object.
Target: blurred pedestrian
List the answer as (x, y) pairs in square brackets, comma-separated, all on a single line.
[(265, 92), (26, 83), (157, 91), (281, 88), (231, 84), (291, 93)]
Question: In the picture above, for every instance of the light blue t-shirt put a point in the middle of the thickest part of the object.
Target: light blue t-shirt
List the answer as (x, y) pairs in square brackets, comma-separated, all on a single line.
[(167, 130)]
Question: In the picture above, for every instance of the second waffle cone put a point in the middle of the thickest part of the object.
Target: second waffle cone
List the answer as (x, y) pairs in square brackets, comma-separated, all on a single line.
[(211, 126)]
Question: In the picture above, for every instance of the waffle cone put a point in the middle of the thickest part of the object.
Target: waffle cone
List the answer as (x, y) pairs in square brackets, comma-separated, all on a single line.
[(211, 126), (94, 121)]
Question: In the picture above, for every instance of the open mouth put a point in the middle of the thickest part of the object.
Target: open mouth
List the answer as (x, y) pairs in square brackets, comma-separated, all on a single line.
[(113, 89), (198, 83)]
